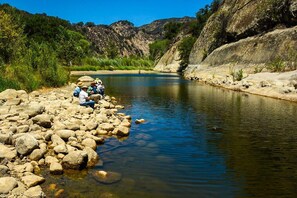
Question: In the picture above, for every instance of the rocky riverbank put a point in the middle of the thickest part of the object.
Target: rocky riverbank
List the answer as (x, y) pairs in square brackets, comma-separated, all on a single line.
[(49, 129), (275, 85)]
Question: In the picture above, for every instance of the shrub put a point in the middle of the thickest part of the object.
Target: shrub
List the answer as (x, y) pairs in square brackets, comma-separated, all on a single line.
[(237, 75), (277, 65)]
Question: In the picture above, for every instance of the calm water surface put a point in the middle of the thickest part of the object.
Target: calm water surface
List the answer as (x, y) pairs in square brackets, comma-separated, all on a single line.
[(198, 141)]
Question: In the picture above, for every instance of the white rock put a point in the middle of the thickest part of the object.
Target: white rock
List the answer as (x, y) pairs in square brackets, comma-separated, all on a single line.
[(32, 180), (34, 192), (75, 160), (65, 134), (88, 142), (61, 149), (106, 127), (43, 120), (6, 152), (49, 160), (26, 144), (56, 168), (7, 184)]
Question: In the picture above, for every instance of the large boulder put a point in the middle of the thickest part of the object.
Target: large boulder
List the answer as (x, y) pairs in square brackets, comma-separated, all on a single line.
[(43, 120), (26, 144), (7, 184), (86, 80), (8, 94), (88, 142), (34, 109), (75, 160)]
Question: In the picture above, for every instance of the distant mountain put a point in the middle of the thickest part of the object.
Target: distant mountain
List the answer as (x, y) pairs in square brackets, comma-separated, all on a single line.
[(128, 39), (156, 28)]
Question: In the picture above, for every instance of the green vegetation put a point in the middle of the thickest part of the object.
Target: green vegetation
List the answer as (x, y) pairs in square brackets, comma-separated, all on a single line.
[(185, 48), (33, 49), (158, 49), (131, 63)]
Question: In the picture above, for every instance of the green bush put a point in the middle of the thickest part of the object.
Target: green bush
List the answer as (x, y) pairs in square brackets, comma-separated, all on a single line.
[(277, 65), (237, 75), (8, 84)]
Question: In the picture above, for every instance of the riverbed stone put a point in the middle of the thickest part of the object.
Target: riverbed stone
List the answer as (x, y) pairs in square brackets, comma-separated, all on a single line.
[(107, 177), (37, 154), (75, 160), (34, 192), (34, 109), (32, 180), (121, 131), (57, 140), (19, 190), (56, 168), (43, 120), (92, 156), (49, 160), (7, 184), (3, 171), (5, 138), (65, 134), (61, 149), (106, 127), (7, 152), (26, 144), (88, 142), (13, 102), (23, 128)]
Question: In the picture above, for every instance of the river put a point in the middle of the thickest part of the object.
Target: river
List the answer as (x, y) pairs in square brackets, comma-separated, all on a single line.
[(197, 141)]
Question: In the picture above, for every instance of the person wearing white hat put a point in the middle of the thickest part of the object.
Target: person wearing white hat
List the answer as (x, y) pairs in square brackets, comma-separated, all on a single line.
[(84, 100)]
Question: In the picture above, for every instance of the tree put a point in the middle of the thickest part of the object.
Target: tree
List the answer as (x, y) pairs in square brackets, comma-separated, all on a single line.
[(72, 46), (11, 37), (112, 50), (172, 29), (185, 48)]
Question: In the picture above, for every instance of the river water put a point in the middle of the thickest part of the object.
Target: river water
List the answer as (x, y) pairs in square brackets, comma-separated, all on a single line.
[(197, 141)]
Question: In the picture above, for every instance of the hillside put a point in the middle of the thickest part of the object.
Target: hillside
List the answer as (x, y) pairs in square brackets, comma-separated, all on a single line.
[(127, 39)]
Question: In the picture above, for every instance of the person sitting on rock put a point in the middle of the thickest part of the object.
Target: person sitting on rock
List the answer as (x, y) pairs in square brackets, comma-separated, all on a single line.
[(100, 88), (84, 99), (92, 89), (77, 89)]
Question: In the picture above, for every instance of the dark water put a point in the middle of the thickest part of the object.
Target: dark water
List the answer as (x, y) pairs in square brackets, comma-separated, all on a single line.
[(198, 141)]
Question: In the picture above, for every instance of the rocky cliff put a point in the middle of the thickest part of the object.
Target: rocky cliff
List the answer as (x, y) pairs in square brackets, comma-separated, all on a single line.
[(127, 39), (246, 33)]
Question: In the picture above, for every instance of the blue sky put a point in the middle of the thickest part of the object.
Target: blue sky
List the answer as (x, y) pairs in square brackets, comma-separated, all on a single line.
[(108, 11)]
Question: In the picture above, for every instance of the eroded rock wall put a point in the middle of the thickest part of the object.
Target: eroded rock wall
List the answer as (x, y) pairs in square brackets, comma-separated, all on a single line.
[(226, 36)]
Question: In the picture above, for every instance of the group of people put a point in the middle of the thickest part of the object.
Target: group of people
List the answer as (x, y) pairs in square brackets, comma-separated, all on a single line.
[(84, 93)]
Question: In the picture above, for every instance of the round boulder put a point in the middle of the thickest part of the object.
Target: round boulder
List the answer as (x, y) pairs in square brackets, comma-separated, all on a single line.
[(26, 144), (75, 160)]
